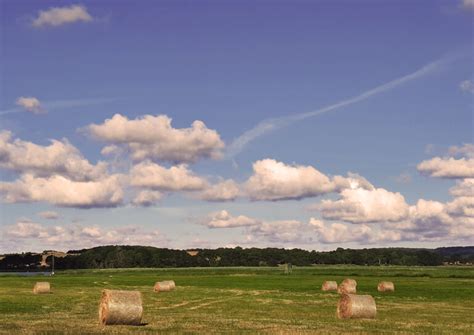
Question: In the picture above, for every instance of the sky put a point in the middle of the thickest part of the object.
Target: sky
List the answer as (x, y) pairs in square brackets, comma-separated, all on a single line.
[(204, 124)]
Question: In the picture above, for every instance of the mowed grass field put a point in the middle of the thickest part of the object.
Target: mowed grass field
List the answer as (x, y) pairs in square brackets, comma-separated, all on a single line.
[(427, 300)]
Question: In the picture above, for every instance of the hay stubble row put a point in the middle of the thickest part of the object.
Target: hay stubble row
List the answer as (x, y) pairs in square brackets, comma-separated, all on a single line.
[(121, 307)]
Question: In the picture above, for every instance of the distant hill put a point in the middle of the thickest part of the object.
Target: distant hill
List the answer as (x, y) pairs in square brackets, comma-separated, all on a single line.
[(141, 256)]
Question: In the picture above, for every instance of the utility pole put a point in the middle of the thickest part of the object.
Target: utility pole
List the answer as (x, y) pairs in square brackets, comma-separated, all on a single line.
[(52, 267)]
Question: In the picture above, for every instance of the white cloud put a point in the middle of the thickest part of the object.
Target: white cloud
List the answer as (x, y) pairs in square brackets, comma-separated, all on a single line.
[(147, 198), (60, 157), (463, 188), (467, 86), (30, 104), (466, 150), (50, 215), (223, 219), (428, 219), (274, 181), (447, 167), (341, 233), (61, 191), (362, 206), (176, 178), (57, 16), (226, 190), (467, 4), (284, 231), (153, 137), (25, 234), (25, 228), (461, 206)]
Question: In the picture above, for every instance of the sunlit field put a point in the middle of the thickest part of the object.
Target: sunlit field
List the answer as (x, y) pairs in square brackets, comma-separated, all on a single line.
[(244, 300)]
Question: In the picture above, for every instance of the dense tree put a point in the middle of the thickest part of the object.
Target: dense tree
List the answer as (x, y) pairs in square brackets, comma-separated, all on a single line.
[(139, 256)]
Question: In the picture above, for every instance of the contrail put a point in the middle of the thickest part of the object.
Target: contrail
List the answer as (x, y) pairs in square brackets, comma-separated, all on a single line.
[(268, 125)]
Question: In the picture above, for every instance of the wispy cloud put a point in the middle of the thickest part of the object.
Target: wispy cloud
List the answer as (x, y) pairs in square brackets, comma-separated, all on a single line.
[(269, 125), (58, 104), (58, 16)]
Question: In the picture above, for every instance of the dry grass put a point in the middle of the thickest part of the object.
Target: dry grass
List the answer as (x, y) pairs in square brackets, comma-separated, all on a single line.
[(221, 301)]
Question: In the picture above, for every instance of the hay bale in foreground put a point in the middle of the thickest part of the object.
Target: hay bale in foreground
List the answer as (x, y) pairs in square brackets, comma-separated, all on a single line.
[(120, 308), (352, 306), (162, 287), (329, 286), (42, 287), (386, 286), (348, 286)]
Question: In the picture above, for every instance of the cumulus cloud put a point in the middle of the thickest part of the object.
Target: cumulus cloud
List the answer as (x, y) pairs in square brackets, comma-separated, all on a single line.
[(461, 206), (60, 157), (273, 180), (153, 137), (226, 190), (458, 164), (283, 231), (223, 219), (465, 150), (147, 198), (58, 16), (65, 237), (25, 228), (361, 206), (463, 188), (30, 104), (341, 233), (447, 167), (60, 191), (50, 215), (156, 177)]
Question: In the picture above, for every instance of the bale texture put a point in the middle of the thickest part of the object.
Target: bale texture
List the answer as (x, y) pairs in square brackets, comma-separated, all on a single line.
[(386, 286), (171, 283), (351, 306), (329, 286), (120, 308), (348, 286), (162, 287), (42, 287), (349, 281)]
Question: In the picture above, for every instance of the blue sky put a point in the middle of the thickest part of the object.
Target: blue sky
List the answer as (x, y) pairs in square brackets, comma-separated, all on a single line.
[(231, 65)]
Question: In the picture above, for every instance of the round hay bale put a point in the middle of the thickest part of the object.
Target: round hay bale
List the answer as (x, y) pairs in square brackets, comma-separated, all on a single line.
[(42, 287), (352, 306), (162, 287), (348, 286), (386, 286), (171, 283), (329, 286), (349, 281), (120, 308)]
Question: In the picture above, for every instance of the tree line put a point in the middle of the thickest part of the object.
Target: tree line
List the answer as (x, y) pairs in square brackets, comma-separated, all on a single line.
[(140, 256)]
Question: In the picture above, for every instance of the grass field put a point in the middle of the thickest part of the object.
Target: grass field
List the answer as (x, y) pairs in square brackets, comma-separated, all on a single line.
[(427, 300)]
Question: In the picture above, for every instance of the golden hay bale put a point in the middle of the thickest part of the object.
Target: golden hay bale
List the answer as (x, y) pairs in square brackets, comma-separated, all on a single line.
[(349, 281), (171, 283), (162, 287), (352, 306), (386, 286), (120, 308), (329, 286), (42, 287)]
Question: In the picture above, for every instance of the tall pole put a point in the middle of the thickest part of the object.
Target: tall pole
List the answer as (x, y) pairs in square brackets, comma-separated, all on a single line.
[(52, 268)]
